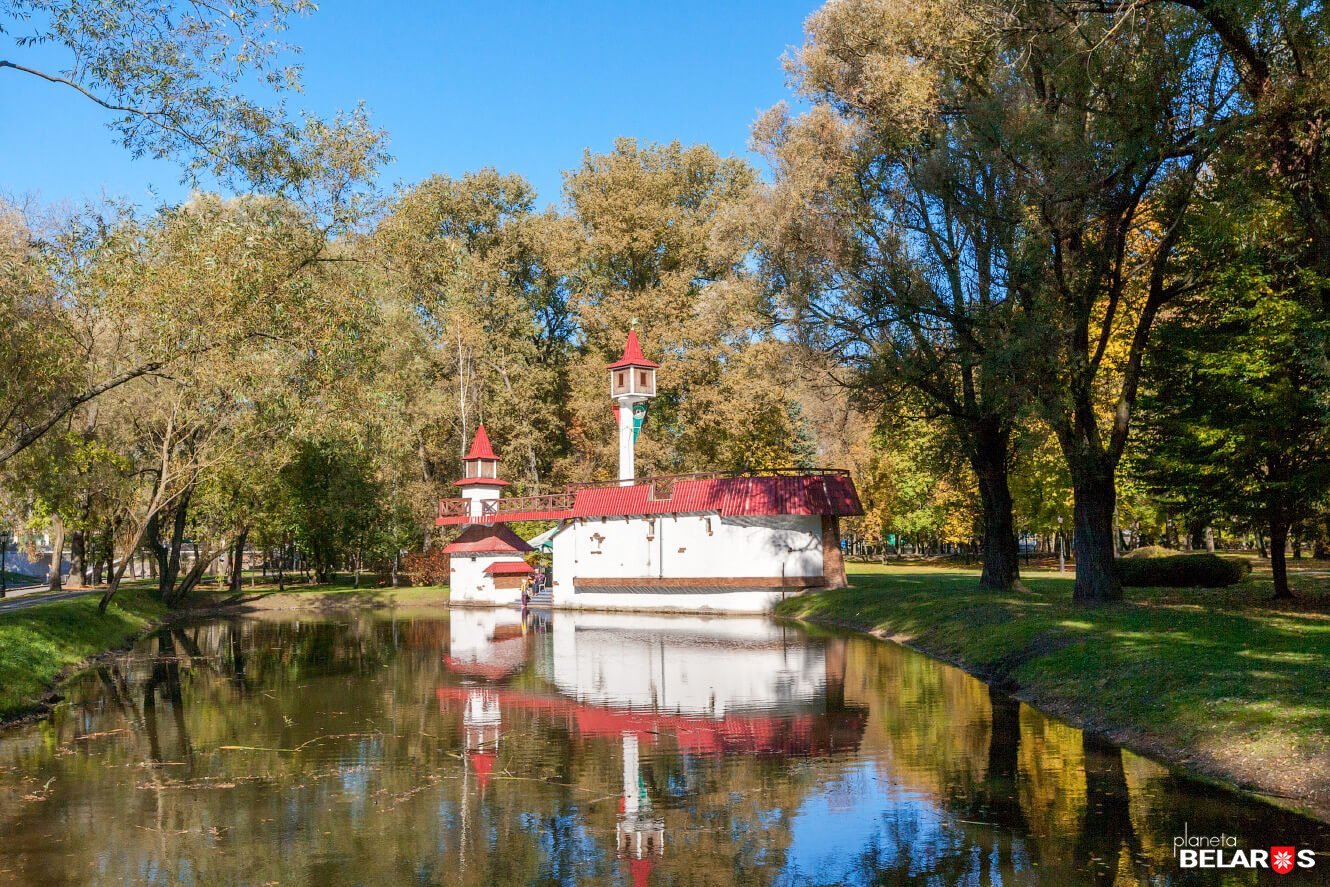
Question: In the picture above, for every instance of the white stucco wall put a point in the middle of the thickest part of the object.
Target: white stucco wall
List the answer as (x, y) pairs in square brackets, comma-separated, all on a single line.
[(469, 584), (684, 665), (685, 547)]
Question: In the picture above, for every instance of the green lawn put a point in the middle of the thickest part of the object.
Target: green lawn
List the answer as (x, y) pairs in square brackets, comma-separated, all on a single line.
[(38, 643), (1213, 679)]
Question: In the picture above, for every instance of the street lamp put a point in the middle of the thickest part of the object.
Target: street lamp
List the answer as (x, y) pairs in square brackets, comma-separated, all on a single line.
[(5, 536), (1062, 548)]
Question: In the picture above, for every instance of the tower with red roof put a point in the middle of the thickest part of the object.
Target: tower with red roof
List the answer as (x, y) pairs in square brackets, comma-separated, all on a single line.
[(486, 562), (632, 385)]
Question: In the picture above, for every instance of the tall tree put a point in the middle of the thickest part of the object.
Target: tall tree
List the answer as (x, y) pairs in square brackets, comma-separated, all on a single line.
[(887, 238), (1237, 414), (1097, 197)]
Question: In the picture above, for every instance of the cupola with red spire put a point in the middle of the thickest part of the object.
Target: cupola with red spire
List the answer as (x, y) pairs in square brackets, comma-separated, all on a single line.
[(480, 465), (633, 374), (480, 473)]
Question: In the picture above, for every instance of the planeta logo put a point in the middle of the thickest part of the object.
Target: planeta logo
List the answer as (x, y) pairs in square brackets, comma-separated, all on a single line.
[(1224, 852)]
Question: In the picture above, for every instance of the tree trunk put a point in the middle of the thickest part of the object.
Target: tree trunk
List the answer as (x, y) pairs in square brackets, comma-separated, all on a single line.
[(78, 559), (1097, 580), (238, 561), (1278, 566), (57, 552), (1001, 556)]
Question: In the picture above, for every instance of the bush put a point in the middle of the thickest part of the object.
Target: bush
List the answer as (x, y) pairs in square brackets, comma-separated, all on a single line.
[(1182, 571), (1150, 551), (427, 568)]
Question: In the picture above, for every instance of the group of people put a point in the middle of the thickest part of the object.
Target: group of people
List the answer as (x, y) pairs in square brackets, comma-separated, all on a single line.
[(533, 585)]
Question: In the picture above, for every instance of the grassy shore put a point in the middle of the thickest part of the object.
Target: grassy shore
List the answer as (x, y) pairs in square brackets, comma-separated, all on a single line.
[(327, 596), (39, 643), (1217, 682)]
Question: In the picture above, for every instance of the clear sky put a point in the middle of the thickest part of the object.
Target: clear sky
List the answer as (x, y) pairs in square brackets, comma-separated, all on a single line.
[(522, 86)]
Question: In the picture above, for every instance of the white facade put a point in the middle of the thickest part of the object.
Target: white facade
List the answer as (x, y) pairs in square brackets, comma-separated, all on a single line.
[(470, 584), (782, 554)]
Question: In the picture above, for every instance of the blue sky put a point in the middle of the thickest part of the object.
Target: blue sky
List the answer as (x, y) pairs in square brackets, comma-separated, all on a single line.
[(522, 86)]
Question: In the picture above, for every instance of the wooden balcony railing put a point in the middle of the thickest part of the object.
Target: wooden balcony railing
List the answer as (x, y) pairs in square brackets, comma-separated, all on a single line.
[(454, 507)]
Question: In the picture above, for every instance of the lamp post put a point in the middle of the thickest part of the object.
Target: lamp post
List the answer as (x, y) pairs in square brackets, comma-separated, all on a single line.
[(5, 536), (1062, 548)]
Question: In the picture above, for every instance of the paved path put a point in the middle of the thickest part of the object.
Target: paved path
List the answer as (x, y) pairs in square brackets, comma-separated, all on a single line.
[(32, 595)]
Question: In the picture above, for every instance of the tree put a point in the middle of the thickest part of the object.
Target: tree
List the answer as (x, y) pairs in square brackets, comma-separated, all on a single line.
[(175, 74), (271, 321), (334, 501), (664, 254), (1099, 196), (1237, 415), (172, 73), (886, 239)]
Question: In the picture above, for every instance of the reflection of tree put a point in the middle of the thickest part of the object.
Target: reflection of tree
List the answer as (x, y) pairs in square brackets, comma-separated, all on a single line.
[(166, 677), (1106, 831)]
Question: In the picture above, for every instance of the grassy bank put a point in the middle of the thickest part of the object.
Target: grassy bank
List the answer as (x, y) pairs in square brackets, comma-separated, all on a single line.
[(1217, 682), (328, 596), (38, 643)]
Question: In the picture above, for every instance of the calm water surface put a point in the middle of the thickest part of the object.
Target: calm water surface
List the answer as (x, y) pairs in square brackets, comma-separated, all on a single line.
[(482, 748)]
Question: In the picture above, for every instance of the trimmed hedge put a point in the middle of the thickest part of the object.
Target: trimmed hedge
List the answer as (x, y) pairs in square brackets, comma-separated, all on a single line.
[(1150, 551), (1182, 571)]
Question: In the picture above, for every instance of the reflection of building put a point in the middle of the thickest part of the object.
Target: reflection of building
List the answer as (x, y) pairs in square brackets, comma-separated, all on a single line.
[(706, 686), (481, 722), (720, 541), (490, 643), (640, 835)]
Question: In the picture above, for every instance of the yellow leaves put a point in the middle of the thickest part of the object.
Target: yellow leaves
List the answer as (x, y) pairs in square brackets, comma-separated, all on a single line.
[(886, 59)]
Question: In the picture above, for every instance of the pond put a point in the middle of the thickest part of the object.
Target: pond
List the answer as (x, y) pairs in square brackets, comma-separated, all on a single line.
[(484, 747)]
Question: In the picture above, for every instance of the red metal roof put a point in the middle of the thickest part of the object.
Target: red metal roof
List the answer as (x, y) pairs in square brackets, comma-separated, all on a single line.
[(509, 568), (799, 494), (487, 539), (632, 354), (480, 447)]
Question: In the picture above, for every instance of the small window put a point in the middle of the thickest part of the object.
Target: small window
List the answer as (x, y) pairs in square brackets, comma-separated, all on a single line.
[(643, 377), (618, 380)]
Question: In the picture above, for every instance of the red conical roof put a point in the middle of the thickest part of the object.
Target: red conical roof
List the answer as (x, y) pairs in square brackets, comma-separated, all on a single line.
[(632, 354), (480, 447)]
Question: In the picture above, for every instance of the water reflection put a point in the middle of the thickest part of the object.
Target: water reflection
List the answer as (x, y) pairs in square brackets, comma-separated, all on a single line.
[(484, 748)]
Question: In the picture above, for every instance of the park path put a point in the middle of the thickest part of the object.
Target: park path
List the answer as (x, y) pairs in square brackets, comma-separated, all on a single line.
[(33, 595)]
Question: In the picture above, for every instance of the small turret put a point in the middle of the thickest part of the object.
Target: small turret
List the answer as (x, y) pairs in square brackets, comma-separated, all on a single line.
[(480, 473), (632, 384)]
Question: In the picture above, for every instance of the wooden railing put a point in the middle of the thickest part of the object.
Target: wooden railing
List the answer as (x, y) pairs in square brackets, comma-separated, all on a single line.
[(519, 504), (454, 507)]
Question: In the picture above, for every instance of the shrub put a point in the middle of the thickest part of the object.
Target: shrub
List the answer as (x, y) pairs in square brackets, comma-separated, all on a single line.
[(1150, 551), (427, 568), (1182, 571)]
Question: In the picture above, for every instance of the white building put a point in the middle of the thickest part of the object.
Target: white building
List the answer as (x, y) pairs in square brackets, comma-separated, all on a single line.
[(486, 562), (734, 542)]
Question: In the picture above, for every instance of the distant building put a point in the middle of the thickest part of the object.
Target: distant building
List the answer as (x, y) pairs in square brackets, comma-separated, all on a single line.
[(718, 541)]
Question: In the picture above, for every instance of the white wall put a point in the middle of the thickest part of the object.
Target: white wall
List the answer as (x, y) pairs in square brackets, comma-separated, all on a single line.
[(468, 582), (685, 665), (685, 547)]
